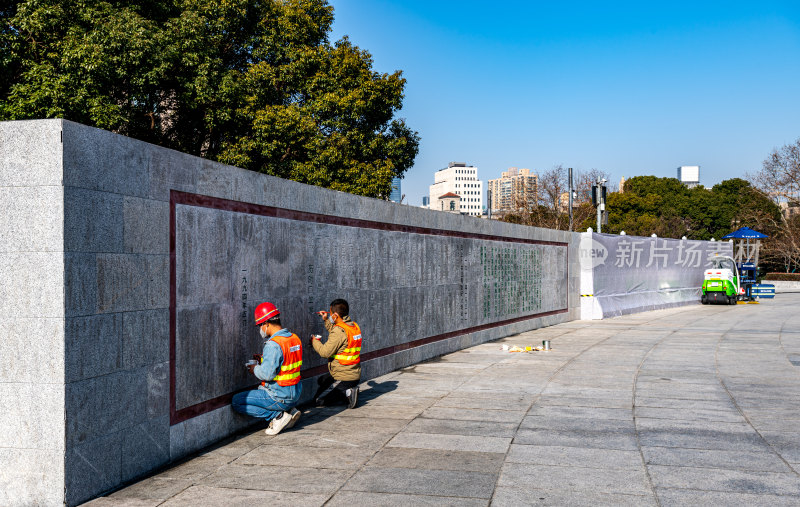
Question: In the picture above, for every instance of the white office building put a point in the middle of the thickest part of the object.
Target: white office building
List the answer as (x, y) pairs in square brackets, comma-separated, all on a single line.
[(689, 175), (462, 180)]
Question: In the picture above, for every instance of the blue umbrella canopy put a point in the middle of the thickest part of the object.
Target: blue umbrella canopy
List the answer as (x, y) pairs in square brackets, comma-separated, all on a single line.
[(745, 233)]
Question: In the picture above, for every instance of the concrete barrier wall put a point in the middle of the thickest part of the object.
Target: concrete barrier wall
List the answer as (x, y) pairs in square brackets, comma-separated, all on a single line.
[(129, 274), (629, 274), (784, 286)]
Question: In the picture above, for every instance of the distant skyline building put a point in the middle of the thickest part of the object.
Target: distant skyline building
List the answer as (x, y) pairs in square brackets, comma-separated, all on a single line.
[(789, 209), (426, 201), (396, 195), (460, 179), (689, 175), (515, 189)]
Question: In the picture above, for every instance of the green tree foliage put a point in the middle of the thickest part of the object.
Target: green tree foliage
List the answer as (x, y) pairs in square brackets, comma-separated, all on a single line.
[(668, 208), (251, 83)]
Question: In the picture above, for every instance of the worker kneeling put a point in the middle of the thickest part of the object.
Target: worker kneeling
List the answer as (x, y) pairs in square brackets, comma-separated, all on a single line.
[(278, 367), (343, 350)]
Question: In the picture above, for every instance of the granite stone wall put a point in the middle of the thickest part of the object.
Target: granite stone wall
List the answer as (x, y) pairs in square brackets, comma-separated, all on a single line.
[(32, 321), (129, 274)]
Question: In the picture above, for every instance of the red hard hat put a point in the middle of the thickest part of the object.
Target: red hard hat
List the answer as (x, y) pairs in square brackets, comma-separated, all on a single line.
[(264, 312)]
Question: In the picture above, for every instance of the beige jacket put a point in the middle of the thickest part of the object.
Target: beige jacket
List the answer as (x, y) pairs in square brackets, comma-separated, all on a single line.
[(337, 340)]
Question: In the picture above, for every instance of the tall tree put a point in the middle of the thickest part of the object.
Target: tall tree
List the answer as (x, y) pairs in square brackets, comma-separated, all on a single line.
[(254, 83), (779, 178), (668, 208)]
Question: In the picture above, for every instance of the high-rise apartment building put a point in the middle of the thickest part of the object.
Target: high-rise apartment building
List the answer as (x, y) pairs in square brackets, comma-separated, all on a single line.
[(462, 180), (515, 189), (396, 195)]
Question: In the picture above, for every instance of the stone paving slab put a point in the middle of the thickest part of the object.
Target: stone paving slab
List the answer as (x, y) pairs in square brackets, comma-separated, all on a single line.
[(594, 413), (704, 439), (336, 458), (436, 459), (717, 479), (671, 407), (203, 496), (524, 496), (711, 458), (364, 499), (423, 482), (695, 414), (450, 442), (277, 478), (578, 424), (681, 497), (577, 438), (574, 457), (577, 401), (590, 480), (474, 414), (456, 427)]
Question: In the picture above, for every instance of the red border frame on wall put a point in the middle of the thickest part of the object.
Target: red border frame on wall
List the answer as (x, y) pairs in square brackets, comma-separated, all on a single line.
[(189, 199)]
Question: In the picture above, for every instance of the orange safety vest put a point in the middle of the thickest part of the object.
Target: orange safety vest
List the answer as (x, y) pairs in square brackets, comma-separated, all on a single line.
[(351, 354), (292, 350)]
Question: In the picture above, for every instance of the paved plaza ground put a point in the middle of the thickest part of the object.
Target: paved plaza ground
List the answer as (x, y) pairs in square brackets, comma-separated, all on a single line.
[(698, 405)]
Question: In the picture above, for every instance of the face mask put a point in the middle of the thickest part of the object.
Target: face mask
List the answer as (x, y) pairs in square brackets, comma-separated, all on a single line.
[(331, 319), (263, 333)]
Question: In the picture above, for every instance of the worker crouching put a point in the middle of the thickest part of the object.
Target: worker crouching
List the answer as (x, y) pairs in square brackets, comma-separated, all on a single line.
[(278, 368), (343, 350)]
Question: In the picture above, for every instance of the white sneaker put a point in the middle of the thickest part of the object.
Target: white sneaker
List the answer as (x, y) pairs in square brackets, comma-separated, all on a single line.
[(295, 415), (352, 397), (277, 424)]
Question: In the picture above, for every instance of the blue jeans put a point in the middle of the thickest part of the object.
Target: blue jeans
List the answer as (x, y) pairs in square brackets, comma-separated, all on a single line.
[(258, 403)]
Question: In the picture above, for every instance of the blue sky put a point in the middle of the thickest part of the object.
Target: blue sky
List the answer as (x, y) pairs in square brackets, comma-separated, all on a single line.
[(629, 88)]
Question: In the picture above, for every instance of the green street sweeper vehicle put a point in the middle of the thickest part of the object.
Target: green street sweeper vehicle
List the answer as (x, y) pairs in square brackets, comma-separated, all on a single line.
[(722, 282)]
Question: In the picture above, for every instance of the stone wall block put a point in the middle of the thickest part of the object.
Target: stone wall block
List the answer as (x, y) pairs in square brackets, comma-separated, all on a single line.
[(29, 347), (33, 415), (30, 153), (93, 467), (145, 338), (131, 282), (80, 284), (93, 346), (145, 226), (99, 160), (213, 179), (31, 219), (92, 221), (104, 405), (170, 170), (31, 284), (245, 185), (204, 429), (37, 477), (145, 447)]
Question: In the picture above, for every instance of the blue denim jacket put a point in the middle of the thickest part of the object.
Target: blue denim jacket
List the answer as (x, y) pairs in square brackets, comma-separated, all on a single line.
[(270, 366)]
